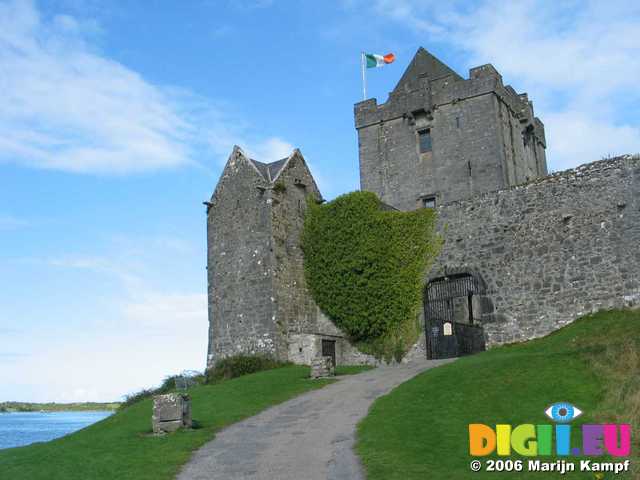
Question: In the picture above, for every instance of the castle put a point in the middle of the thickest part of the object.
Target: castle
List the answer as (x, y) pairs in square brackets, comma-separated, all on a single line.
[(524, 253)]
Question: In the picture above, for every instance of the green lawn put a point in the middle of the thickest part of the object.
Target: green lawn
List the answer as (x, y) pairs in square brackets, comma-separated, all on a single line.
[(352, 369), (120, 446), (420, 430)]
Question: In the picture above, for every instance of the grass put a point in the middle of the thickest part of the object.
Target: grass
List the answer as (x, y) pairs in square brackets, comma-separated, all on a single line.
[(352, 369), (121, 445), (420, 430)]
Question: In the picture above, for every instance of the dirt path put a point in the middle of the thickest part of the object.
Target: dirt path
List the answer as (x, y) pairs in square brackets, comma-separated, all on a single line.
[(310, 437)]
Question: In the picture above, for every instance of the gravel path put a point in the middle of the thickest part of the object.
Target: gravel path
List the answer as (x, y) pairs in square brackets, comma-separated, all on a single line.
[(310, 437)]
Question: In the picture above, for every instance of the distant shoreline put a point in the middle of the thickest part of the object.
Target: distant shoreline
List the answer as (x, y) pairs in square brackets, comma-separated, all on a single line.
[(13, 407)]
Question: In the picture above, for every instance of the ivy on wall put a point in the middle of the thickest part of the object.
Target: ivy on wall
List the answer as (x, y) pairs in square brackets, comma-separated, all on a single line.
[(365, 268)]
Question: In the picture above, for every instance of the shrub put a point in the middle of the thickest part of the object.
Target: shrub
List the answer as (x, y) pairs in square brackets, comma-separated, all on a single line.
[(365, 267), (168, 385), (136, 397), (237, 365)]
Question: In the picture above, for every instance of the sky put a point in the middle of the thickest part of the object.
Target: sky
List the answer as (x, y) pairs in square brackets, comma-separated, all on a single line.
[(116, 118)]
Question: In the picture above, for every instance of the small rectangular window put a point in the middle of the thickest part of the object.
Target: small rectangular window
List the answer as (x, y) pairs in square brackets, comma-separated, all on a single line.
[(424, 138), (429, 202)]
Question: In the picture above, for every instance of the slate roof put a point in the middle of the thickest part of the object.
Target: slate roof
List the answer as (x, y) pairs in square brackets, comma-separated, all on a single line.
[(269, 170)]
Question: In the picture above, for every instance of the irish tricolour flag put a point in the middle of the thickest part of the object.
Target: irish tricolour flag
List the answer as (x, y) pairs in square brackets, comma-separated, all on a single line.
[(373, 60)]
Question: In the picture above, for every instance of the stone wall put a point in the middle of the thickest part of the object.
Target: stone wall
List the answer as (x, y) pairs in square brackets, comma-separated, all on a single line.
[(240, 263), (549, 250), (295, 309), (258, 298), (306, 345)]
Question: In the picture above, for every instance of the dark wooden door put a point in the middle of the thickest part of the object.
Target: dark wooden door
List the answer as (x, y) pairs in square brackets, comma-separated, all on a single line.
[(329, 350)]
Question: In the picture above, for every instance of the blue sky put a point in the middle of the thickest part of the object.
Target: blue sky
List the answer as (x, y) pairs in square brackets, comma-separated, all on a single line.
[(116, 118)]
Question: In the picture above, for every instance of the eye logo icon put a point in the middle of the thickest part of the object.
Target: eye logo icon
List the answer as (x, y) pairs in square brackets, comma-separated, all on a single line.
[(562, 412)]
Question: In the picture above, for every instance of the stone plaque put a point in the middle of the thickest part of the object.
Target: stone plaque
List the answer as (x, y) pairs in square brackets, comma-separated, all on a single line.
[(447, 328)]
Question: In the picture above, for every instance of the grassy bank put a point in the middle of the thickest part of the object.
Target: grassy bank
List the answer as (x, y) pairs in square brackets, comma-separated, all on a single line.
[(56, 407), (420, 430), (121, 446)]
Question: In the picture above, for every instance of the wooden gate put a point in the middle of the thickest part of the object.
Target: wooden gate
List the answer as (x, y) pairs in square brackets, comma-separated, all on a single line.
[(450, 327)]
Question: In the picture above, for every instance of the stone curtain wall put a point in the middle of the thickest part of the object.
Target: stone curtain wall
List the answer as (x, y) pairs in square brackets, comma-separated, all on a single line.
[(550, 250)]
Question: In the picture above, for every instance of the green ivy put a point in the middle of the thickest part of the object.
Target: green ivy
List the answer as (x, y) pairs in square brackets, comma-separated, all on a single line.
[(365, 267)]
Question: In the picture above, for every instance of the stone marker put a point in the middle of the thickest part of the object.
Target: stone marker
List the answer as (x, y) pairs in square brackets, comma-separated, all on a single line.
[(171, 412), (322, 367)]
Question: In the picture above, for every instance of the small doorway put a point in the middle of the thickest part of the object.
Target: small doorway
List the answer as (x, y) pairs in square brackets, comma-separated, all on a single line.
[(450, 323), (329, 349)]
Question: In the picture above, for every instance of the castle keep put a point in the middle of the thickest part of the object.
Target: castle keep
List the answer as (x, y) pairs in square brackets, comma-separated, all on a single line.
[(524, 253), (441, 138)]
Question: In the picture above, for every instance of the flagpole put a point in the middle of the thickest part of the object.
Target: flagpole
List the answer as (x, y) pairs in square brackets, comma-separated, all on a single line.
[(364, 77)]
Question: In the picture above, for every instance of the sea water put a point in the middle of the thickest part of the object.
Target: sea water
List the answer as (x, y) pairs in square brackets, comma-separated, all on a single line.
[(23, 428)]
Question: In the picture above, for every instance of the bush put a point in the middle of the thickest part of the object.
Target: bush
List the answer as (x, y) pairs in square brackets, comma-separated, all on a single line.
[(136, 397), (365, 267), (237, 365), (168, 385)]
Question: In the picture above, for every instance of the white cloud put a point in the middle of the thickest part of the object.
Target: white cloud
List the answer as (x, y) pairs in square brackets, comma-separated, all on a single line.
[(168, 312), (143, 329), (576, 137), (579, 62), (270, 150), (66, 106), (63, 106), (123, 269), (156, 335)]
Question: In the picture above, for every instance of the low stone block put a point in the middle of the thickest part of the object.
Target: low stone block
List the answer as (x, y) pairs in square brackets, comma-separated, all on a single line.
[(168, 427), (171, 412), (322, 367)]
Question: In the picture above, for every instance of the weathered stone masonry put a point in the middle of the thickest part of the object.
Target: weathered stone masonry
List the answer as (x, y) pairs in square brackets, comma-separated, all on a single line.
[(537, 251), (550, 250), (483, 136), (258, 298), (240, 262)]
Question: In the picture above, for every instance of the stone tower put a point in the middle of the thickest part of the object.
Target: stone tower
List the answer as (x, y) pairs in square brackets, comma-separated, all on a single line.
[(258, 299), (441, 138), (254, 262)]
